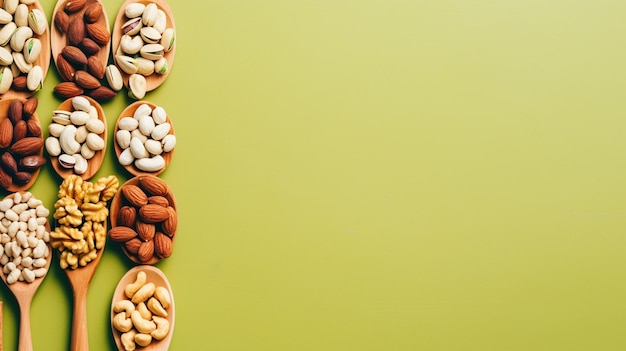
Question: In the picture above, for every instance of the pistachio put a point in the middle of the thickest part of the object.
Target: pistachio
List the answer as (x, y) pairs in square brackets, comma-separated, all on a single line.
[(137, 86), (20, 62), (160, 131), (150, 14), (80, 164), (169, 142), (6, 79), (55, 129), (127, 123), (160, 66), (67, 161), (144, 66), (52, 146), (28, 2), (154, 147), (152, 51), (19, 37), (80, 103), (161, 22), (61, 117), (95, 125), (132, 26), (159, 115), (5, 17), (138, 149), (6, 58), (150, 35), (142, 110), (32, 49), (134, 10), (131, 45), (81, 134), (146, 125), (34, 79), (168, 39), (11, 6), (122, 137), (21, 15), (37, 21), (114, 77), (126, 157), (79, 118), (86, 152), (16, 71), (126, 64), (95, 142), (7, 32)]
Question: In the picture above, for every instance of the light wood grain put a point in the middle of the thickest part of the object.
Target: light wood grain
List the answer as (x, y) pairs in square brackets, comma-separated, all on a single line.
[(93, 164), (128, 112), (4, 108), (59, 40), (118, 202), (159, 278), (43, 61), (154, 80), (24, 293)]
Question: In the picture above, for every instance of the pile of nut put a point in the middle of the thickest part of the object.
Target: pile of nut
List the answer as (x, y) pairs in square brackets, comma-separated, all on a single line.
[(144, 42), (147, 221), (21, 142), (144, 138), (78, 64), (21, 25), (24, 237), (142, 316), (81, 213), (76, 136)]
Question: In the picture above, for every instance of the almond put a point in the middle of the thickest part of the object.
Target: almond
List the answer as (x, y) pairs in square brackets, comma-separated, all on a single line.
[(102, 93), (15, 111), (65, 69), (30, 106), (153, 185), (93, 12), (145, 231), (8, 163), (127, 216), (27, 146), (98, 33), (67, 89), (34, 128), (133, 245), (72, 6), (151, 213), (146, 251), (163, 245), (134, 195), (76, 31), (158, 200), (22, 177), (122, 234), (5, 179), (85, 80), (19, 83), (6, 133), (74, 56), (62, 21), (31, 163), (89, 46), (95, 67), (171, 223), (19, 130)]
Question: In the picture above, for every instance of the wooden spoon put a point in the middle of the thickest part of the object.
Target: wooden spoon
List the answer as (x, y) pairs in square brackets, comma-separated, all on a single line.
[(80, 278), (154, 80), (157, 277), (24, 293)]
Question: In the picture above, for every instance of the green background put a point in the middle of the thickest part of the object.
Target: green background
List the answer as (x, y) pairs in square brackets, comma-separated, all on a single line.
[(382, 175)]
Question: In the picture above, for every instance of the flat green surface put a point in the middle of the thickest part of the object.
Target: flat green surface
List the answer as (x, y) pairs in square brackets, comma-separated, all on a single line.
[(382, 175)]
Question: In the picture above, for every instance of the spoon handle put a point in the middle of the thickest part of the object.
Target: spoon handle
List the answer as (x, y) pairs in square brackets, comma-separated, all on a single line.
[(80, 340), (25, 342)]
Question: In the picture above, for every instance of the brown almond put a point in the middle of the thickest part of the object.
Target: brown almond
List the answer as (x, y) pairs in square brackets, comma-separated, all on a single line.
[(27, 146), (20, 130), (98, 33), (122, 234), (72, 6), (65, 69), (76, 31), (163, 245), (146, 251), (171, 223), (93, 12), (5, 179), (89, 47), (8, 163), (6, 133), (127, 216), (15, 111), (153, 185), (74, 56), (22, 177), (102, 93), (158, 200), (68, 89), (62, 21), (134, 195), (33, 127), (151, 213), (85, 80), (95, 67), (19, 83), (30, 107), (133, 245), (145, 231), (31, 163)]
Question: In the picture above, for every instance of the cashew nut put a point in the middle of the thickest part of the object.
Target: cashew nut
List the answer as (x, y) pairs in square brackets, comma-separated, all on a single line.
[(144, 293), (128, 340), (163, 327), (124, 305), (142, 325), (144, 311), (143, 339), (131, 289), (163, 296), (122, 323), (155, 306), (67, 139)]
